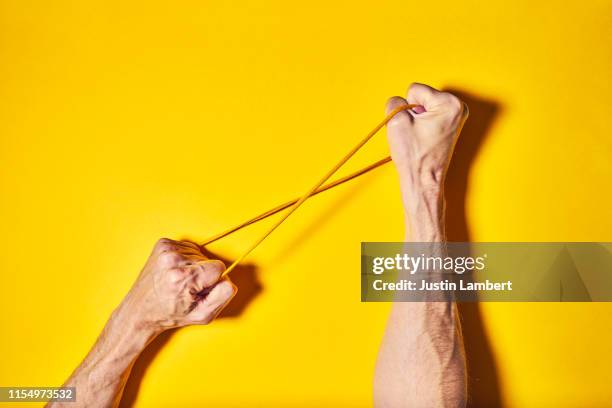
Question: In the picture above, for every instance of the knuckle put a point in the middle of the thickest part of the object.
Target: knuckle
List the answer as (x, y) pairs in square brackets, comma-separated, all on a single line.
[(454, 105), (213, 266), (233, 289), (190, 244), (227, 289), (175, 275), (417, 88), (163, 244), (210, 271), (453, 100), (169, 258)]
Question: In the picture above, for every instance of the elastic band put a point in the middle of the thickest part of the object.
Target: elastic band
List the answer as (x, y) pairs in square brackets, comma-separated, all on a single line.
[(312, 191), (281, 207)]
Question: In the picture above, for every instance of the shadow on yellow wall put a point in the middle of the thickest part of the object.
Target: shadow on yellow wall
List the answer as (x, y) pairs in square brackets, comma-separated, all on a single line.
[(484, 385)]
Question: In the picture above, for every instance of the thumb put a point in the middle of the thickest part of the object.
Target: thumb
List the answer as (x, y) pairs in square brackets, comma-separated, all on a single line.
[(402, 118), (400, 128)]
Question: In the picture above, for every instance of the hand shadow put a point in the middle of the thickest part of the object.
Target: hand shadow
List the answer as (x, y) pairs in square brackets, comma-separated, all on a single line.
[(244, 276), (483, 382)]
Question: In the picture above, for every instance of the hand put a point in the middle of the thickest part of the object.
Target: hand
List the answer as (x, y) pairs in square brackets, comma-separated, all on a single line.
[(422, 139), (178, 286)]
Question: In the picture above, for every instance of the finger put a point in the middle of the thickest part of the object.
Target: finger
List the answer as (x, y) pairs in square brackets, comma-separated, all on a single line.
[(218, 297), (421, 94), (221, 294), (209, 273), (400, 127), (436, 101), (403, 118)]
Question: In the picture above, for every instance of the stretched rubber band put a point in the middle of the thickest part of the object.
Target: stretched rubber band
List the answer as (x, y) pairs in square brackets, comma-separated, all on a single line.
[(283, 206), (317, 188)]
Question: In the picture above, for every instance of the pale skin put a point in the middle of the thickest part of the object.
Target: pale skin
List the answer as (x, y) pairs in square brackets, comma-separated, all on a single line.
[(177, 287), (421, 361)]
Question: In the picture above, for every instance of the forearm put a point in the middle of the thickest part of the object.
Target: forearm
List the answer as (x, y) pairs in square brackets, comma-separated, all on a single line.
[(421, 360), (101, 377)]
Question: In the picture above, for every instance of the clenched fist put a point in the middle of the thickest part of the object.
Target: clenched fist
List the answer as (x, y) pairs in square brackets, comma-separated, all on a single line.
[(422, 139), (178, 286)]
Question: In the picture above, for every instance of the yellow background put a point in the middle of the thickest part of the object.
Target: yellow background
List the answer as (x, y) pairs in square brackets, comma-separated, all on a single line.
[(125, 121)]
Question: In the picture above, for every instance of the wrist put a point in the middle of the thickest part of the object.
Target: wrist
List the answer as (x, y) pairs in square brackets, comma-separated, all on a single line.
[(427, 170), (107, 365), (424, 203), (127, 323)]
